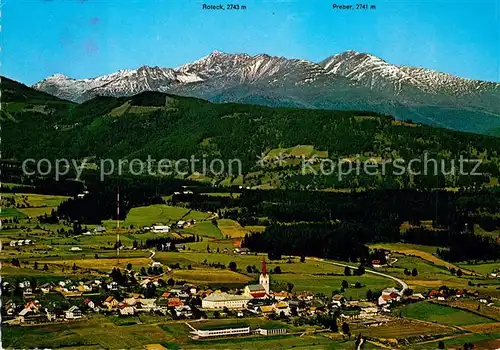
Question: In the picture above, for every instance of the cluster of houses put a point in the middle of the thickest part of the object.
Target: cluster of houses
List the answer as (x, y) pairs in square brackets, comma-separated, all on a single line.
[(21, 242), (97, 230)]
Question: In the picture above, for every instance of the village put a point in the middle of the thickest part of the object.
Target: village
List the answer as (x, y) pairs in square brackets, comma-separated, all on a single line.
[(72, 300)]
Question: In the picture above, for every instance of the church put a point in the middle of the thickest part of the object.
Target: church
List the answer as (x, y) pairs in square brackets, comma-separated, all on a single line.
[(261, 290)]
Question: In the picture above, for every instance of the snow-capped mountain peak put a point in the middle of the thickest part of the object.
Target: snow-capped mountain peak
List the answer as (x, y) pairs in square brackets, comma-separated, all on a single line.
[(350, 79)]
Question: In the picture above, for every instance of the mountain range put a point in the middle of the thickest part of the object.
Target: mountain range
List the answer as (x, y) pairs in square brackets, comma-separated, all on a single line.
[(346, 81)]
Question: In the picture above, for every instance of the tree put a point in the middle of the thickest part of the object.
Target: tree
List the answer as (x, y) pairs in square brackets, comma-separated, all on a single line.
[(143, 271), (414, 272), (347, 271), (45, 267), (232, 266), (345, 284), (441, 345), (459, 273), (358, 285), (345, 329), (74, 267), (277, 270), (171, 282), (360, 271), (453, 271), (302, 258), (129, 266), (35, 265), (369, 294), (96, 256), (249, 269)]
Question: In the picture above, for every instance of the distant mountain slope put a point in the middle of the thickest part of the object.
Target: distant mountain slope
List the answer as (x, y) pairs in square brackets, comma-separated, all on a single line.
[(349, 80)]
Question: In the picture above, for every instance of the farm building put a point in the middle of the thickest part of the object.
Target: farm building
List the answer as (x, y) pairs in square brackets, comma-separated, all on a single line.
[(160, 228)]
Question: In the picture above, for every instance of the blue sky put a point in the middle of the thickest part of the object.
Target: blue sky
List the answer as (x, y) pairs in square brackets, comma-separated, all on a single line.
[(86, 38)]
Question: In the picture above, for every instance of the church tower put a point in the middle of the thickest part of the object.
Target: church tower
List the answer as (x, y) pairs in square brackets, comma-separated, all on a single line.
[(264, 276)]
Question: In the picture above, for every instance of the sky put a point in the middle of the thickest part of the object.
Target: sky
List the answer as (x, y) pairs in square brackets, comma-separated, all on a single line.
[(87, 38)]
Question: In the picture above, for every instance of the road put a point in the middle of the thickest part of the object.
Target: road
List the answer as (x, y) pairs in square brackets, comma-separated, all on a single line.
[(402, 283)]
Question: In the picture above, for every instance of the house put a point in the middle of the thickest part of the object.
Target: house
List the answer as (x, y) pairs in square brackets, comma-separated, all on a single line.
[(175, 302), (181, 224), (126, 310), (384, 299), (84, 288), (282, 295), (20, 242), (30, 307), (99, 229), (220, 300), (266, 309), (184, 311), (147, 305), (75, 249), (90, 304), (34, 318), (177, 289), (10, 307), (338, 300), (73, 313), (113, 286), (46, 287), (13, 243), (241, 251), (282, 308), (111, 303)]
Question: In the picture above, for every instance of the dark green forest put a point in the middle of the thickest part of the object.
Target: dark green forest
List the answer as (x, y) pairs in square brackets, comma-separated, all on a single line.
[(37, 125)]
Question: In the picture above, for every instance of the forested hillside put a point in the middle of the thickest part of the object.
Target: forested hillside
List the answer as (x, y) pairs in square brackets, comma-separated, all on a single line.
[(37, 125)]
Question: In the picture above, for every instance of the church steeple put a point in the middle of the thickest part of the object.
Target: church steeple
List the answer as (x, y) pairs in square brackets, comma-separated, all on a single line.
[(264, 266), (264, 276)]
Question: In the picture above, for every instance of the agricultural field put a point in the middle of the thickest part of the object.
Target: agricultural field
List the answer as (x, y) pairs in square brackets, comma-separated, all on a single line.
[(33, 200), (101, 332), (402, 329), (423, 252), (474, 306), (158, 213), (485, 341), (445, 315), (314, 276), (482, 268), (480, 231), (430, 275), (11, 212), (231, 228), (205, 229), (211, 277)]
